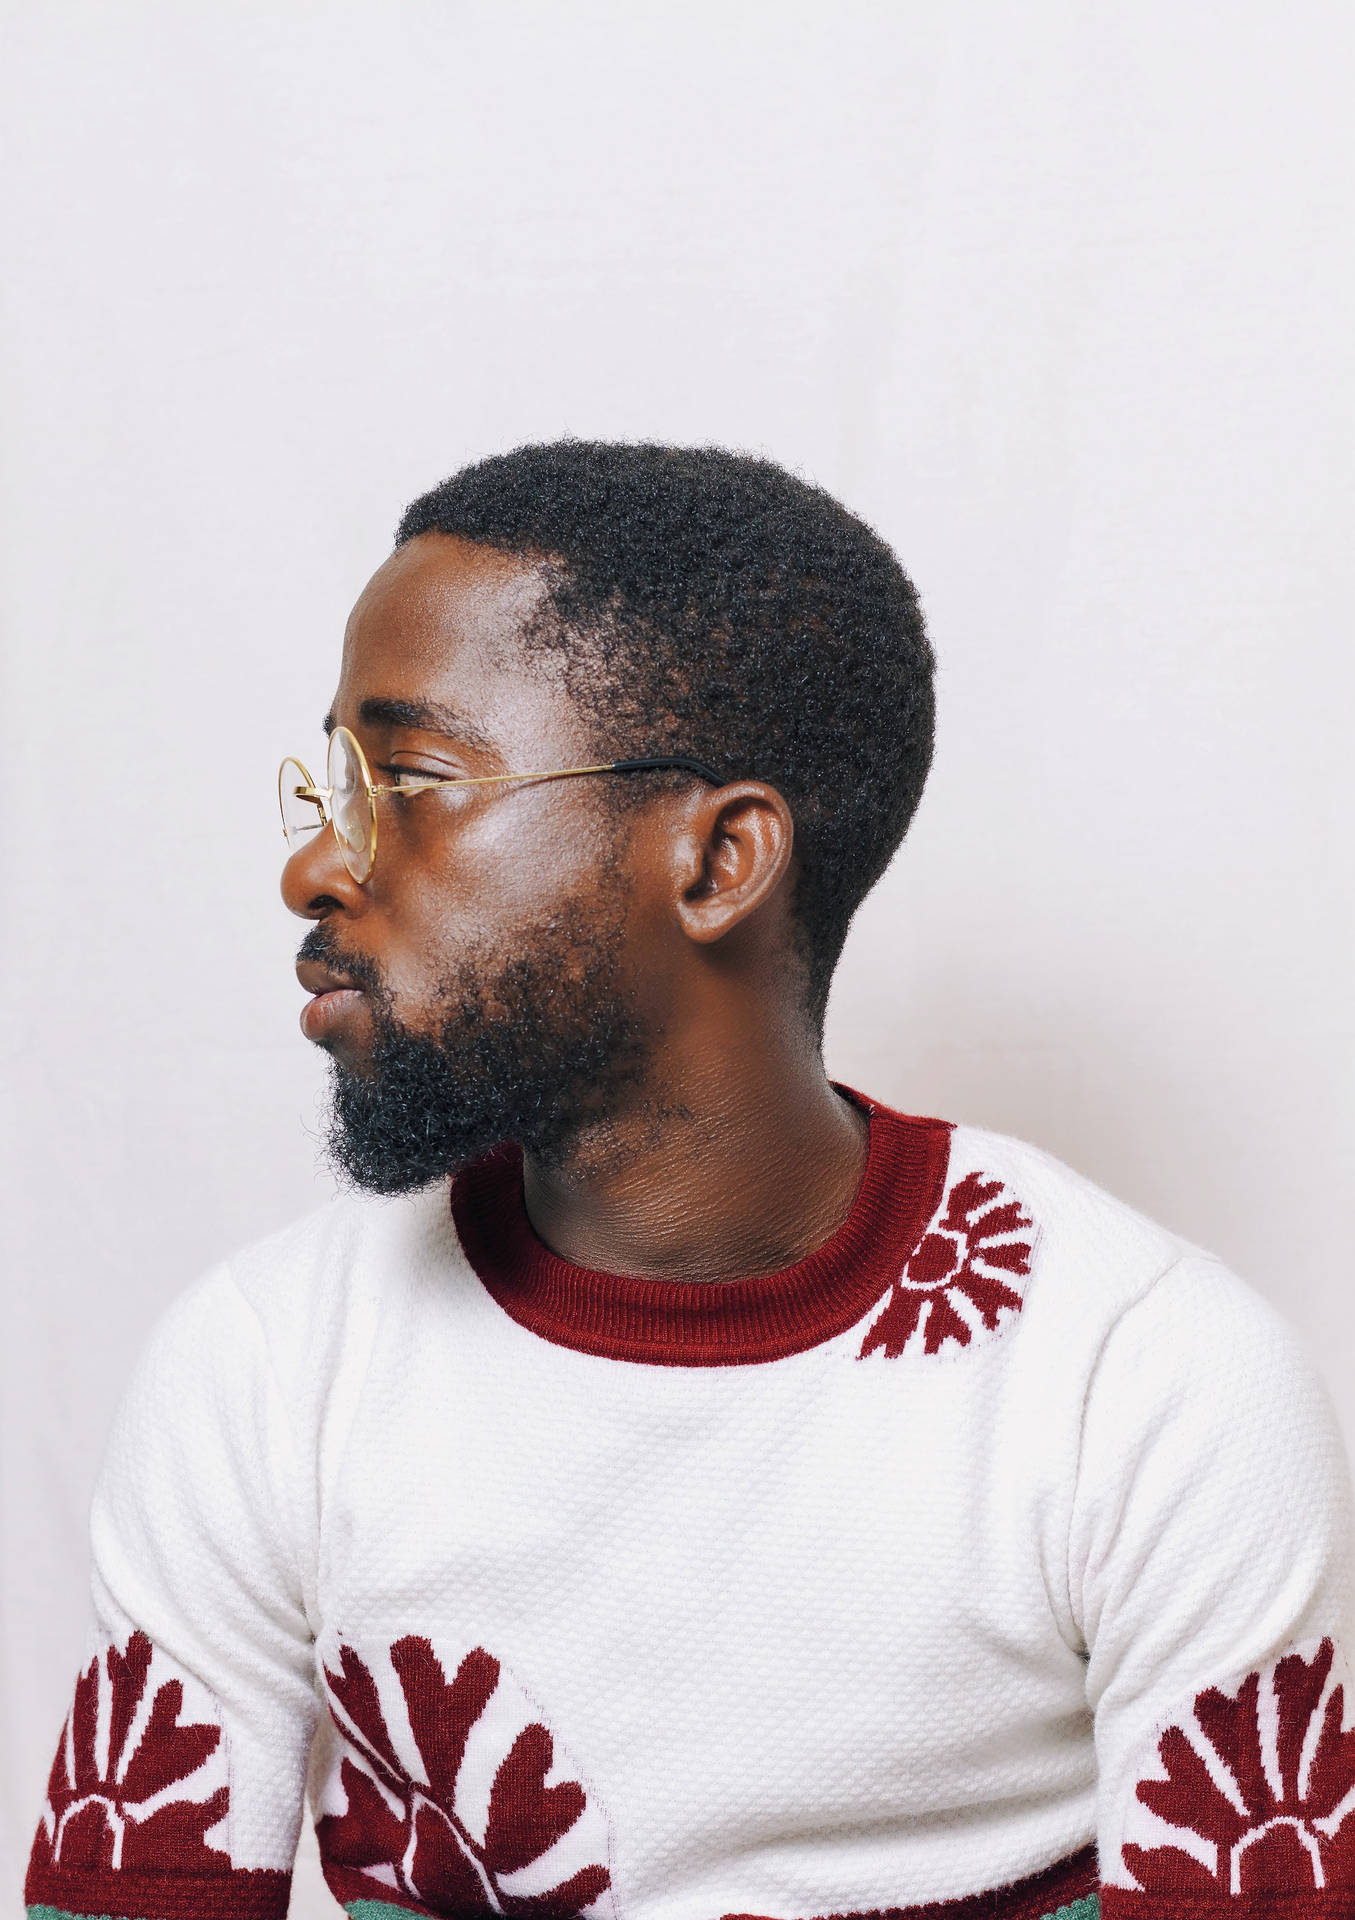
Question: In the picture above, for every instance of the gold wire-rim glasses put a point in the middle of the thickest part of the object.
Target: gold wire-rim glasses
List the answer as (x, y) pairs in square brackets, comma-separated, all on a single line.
[(355, 827)]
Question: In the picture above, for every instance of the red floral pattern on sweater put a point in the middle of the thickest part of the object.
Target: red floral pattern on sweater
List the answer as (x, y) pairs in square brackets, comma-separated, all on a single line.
[(133, 1786), (958, 1283), (1259, 1786), (446, 1793)]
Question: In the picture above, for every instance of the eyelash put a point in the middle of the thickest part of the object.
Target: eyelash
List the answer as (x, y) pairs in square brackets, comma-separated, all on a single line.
[(414, 776)]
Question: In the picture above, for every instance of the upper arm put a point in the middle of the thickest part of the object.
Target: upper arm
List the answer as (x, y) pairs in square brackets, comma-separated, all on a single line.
[(1210, 1566), (178, 1782)]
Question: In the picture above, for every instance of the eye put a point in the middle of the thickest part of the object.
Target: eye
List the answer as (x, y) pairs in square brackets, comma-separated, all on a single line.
[(413, 779)]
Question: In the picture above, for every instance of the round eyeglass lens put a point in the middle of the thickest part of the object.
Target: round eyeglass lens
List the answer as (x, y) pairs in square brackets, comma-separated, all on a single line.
[(301, 819), (351, 803)]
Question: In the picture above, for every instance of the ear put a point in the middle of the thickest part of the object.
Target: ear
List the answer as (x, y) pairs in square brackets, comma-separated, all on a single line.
[(730, 855)]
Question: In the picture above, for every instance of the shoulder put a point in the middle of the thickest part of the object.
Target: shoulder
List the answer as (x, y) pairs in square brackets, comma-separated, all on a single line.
[(1093, 1251), (1201, 1371), (1157, 1321), (1094, 1270), (341, 1250), (301, 1301)]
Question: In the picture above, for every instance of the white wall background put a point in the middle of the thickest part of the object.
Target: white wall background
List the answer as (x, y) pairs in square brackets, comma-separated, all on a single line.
[(1058, 295)]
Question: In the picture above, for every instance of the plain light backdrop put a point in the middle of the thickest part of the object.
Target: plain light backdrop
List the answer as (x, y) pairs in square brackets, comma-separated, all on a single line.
[(1058, 296)]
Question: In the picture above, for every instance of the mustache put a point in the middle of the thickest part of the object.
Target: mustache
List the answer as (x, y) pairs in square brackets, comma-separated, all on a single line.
[(321, 946)]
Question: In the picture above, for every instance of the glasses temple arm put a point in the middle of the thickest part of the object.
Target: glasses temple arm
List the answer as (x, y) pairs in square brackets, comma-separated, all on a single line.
[(678, 762)]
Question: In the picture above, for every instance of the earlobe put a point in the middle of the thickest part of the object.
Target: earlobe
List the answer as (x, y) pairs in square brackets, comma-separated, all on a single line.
[(734, 855)]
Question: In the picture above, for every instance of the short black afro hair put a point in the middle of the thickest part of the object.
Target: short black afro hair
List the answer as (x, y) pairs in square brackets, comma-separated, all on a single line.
[(709, 603)]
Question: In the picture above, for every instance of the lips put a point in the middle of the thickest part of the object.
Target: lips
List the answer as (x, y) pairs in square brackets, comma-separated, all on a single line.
[(334, 1001), (316, 977)]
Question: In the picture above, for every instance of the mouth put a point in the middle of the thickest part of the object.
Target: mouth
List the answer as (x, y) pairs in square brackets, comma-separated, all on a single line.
[(333, 1004)]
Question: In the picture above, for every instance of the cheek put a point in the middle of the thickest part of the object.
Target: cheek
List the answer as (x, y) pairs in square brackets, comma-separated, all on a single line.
[(475, 895)]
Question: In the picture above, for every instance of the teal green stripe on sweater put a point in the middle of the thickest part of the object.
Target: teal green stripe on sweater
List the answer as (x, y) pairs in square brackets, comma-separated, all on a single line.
[(59, 1913)]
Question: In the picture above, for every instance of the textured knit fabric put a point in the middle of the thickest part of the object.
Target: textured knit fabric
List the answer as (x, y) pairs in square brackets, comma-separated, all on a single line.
[(992, 1560)]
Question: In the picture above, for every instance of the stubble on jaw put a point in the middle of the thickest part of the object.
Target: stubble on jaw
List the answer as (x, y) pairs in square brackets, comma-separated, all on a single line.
[(543, 1048)]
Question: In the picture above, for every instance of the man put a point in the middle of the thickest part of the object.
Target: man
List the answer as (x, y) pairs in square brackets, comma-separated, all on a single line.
[(711, 1493)]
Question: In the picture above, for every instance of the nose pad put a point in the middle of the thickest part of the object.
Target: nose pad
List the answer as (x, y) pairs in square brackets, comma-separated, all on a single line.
[(357, 843)]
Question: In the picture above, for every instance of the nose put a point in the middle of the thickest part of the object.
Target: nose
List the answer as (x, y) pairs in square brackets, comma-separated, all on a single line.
[(315, 881)]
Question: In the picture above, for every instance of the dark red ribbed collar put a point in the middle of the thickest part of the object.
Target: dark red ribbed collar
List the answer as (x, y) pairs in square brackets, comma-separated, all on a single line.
[(684, 1323)]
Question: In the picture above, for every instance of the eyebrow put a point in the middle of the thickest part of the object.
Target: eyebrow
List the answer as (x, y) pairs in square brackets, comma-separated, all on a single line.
[(422, 716)]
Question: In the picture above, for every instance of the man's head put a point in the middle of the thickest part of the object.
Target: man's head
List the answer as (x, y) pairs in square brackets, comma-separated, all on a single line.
[(526, 952)]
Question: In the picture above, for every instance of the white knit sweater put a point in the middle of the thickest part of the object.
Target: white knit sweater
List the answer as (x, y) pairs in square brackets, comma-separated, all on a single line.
[(1005, 1534)]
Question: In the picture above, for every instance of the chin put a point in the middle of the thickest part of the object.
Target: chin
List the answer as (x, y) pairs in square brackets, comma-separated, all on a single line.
[(348, 1056)]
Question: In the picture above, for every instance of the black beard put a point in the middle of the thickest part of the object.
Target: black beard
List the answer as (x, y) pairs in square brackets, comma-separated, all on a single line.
[(532, 1053)]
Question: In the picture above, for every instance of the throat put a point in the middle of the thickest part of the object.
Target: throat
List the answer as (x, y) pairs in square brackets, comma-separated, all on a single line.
[(738, 1190)]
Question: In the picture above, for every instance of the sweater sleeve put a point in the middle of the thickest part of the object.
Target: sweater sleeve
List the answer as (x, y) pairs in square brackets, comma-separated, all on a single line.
[(1210, 1570), (177, 1787)]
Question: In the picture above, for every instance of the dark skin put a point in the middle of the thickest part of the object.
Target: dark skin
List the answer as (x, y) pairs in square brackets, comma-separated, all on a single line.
[(733, 1156)]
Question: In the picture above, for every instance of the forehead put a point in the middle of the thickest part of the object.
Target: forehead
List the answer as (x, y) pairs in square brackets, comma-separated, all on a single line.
[(440, 623)]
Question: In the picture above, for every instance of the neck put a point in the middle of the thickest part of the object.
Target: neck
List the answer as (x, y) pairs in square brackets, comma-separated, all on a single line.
[(737, 1158)]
